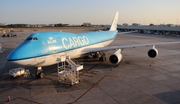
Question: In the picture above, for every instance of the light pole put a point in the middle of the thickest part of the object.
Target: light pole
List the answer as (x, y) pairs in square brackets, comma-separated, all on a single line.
[(158, 21), (131, 22), (177, 21), (143, 22)]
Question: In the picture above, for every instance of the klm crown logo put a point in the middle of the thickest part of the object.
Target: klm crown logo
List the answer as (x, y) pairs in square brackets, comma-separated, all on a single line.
[(51, 40)]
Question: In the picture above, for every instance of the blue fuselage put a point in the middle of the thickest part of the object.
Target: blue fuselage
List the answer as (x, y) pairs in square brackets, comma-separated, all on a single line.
[(47, 43)]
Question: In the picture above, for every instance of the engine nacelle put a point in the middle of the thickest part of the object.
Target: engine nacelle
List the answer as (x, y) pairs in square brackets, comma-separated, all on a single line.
[(116, 57), (153, 52)]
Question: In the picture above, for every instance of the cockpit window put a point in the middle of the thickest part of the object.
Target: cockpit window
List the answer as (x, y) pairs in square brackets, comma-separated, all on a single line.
[(34, 38)]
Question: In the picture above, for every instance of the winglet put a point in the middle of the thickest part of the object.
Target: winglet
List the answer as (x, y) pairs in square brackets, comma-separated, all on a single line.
[(114, 23)]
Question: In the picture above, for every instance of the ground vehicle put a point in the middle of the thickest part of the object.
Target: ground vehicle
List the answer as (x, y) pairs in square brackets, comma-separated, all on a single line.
[(17, 72)]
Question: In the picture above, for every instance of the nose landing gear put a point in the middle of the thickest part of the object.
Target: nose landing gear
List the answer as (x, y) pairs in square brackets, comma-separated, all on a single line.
[(39, 73)]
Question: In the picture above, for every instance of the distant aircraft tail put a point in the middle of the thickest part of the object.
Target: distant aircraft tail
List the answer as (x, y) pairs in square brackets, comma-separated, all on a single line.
[(114, 23)]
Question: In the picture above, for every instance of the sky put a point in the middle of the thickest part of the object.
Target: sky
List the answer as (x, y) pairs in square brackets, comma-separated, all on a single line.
[(94, 11)]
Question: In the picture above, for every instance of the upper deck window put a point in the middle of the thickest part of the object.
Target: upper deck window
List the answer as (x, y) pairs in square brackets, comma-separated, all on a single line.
[(32, 38)]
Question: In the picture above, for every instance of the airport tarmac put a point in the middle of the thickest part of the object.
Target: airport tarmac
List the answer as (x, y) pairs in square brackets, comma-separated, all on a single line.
[(137, 79)]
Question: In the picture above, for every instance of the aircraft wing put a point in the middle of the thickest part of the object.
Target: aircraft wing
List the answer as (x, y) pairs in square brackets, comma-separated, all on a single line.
[(126, 46)]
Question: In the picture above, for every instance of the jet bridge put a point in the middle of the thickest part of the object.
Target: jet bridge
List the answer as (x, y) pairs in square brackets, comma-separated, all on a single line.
[(68, 70)]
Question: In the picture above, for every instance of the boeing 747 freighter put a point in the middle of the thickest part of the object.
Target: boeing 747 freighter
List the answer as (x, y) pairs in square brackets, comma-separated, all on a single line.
[(44, 48)]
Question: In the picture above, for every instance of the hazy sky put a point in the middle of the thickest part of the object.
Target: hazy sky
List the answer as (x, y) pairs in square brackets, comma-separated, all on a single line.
[(93, 11)]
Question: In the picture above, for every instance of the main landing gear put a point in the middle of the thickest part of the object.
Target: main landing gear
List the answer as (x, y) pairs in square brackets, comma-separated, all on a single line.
[(39, 73), (101, 56)]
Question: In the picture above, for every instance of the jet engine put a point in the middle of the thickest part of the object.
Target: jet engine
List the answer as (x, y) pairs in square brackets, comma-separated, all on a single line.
[(153, 52), (116, 57)]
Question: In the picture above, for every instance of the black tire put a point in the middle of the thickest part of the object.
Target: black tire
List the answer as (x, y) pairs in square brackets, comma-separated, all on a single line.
[(70, 85), (95, 56), (37, 76), (100, 58), (41, 75), (103, 59)]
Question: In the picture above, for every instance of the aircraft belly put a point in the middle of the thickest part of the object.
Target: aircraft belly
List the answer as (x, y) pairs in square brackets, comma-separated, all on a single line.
[(107, 43), (25, 62), (49, 59), (46, 60)]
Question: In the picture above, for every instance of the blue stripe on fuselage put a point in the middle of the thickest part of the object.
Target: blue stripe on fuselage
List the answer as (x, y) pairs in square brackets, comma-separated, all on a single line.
[(56, 42)]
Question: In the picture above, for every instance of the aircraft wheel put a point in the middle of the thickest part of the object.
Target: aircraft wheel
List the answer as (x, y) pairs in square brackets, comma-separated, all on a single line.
[(86, 57), (102, 59), (95, 56), (41, 75), (37, 75)]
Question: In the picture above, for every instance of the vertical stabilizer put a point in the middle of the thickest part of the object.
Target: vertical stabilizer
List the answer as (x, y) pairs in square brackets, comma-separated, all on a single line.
[(114, 23)]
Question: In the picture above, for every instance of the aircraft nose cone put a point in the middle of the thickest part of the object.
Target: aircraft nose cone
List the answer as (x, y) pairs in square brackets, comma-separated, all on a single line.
[(12, 56), (23, 51)]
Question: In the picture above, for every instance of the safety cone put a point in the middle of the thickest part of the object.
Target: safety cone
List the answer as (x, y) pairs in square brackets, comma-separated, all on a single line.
[(9, 98)]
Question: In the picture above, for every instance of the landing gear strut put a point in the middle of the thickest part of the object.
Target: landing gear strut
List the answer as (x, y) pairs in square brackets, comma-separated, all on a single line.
[(100, 55), (39, 73), (103, 58)]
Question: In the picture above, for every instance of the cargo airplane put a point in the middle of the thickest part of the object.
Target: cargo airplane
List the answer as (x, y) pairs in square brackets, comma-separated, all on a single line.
[(44, 48)]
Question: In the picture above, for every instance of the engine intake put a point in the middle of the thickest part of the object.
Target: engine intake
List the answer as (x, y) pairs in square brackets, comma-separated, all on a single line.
[(116, 57), (153, 52)]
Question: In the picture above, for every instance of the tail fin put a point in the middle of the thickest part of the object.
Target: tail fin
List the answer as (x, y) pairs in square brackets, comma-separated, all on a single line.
[(114, 23)]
